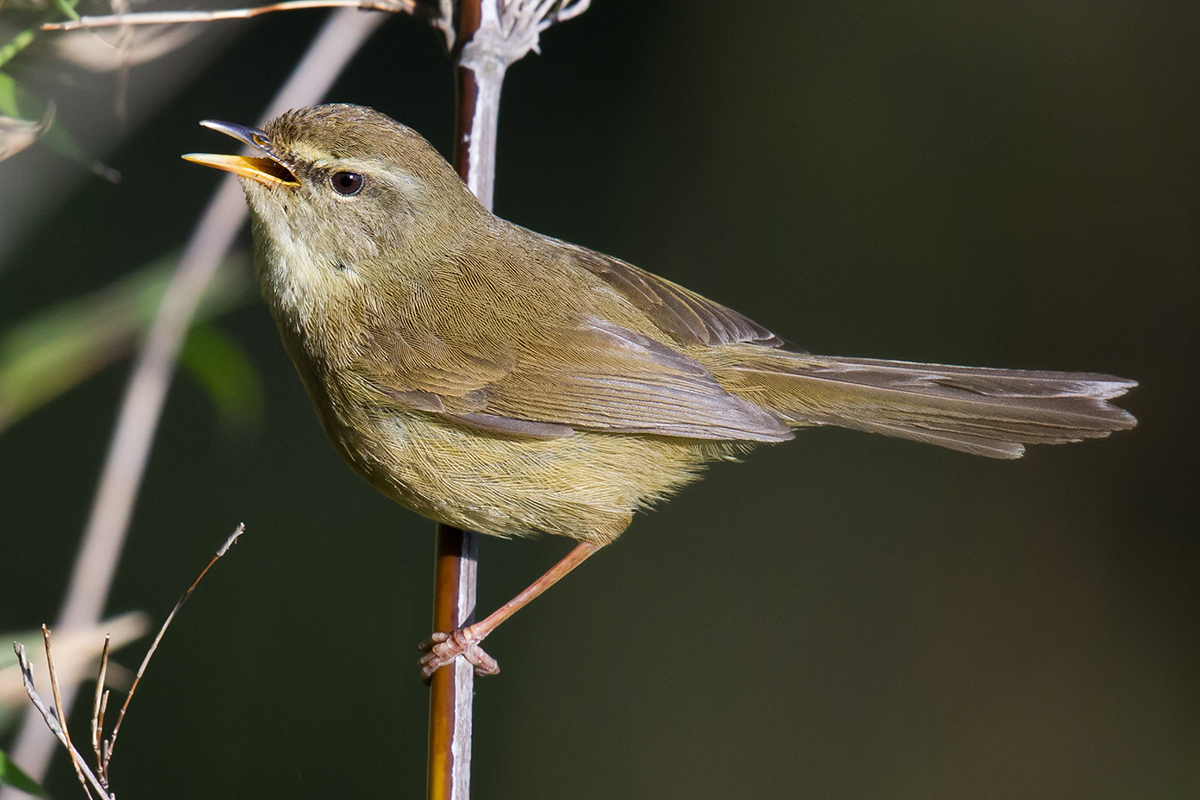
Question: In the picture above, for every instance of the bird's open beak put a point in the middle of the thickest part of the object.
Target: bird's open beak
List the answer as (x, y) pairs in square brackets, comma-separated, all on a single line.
[(269, 171)]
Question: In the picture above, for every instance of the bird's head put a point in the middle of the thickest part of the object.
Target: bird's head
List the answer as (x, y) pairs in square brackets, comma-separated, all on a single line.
[(346, 180), (343, 194)]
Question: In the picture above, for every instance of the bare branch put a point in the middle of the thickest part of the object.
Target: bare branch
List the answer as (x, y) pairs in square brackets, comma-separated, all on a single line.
[(52, 722), (53, 719), (112, 740), (178, 17), (98, 707), (124, 42), (76, 759), (102, 748)]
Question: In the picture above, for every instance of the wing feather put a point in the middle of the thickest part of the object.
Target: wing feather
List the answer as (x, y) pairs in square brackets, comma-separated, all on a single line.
[(597, 376), (689, 318)]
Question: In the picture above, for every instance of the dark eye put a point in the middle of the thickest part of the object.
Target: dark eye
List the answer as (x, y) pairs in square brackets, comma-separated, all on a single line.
[(346, 183)]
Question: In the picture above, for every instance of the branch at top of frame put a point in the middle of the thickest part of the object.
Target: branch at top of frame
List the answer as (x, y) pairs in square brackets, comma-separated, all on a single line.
[(414, 7)]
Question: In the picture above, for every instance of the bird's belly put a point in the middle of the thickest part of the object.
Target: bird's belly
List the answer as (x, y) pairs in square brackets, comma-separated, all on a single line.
[(585, 486)]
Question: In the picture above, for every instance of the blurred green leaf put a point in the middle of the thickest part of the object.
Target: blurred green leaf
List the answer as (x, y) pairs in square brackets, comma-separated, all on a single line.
[(17, 44), (25, 38), (67, 8), (221, 367), (8, 96), (48, 354), (11, 775)]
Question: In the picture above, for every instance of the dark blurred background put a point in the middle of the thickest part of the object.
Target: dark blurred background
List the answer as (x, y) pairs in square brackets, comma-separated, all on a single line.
[(844, 616)]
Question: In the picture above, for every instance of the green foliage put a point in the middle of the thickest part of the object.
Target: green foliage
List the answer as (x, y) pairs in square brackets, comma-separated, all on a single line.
[(17, 44), (26, 36), (11, 775), (8, 96), (221, 367), (42, 357), (67, 7)]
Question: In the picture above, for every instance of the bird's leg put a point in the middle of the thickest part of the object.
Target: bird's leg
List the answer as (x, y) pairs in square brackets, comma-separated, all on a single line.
[(443, 647)]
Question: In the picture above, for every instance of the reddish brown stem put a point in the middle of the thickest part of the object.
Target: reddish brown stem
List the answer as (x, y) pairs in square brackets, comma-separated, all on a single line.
[(451, 690)]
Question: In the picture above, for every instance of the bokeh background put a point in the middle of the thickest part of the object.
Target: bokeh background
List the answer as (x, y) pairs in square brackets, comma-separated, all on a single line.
[(844, 616)]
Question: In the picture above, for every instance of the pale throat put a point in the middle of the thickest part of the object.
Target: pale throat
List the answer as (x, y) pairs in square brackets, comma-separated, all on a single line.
[(297, 282)]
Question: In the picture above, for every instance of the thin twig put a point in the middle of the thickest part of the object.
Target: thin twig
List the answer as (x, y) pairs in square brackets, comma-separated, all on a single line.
[(76, 760), (179, 17), (56, 721), (95, 563), (53, 722), (112, 740), (99, 705)]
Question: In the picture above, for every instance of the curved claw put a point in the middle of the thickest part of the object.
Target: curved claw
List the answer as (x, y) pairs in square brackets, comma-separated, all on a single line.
[(442, 648)]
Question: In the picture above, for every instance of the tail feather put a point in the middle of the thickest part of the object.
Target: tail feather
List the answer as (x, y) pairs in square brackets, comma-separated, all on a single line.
[(989, 412)]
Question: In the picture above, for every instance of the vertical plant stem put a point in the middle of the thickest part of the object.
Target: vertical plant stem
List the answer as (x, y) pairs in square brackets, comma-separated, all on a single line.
[(451, 689), (104, 537), (491, 34)]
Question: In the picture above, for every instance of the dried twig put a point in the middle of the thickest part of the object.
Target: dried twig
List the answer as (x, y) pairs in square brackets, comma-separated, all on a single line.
[(99, 706), (179, 17), (112, 739), (53, 723), (76, 760), (124, 41)]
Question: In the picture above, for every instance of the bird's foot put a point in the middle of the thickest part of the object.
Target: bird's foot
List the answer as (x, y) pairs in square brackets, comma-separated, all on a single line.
[(442, 648)]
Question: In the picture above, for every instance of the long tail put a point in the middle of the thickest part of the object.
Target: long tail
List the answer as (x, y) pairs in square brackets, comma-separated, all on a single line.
[(989, 412)]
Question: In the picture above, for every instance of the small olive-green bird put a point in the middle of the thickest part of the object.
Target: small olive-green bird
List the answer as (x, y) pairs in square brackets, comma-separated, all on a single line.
[(499, 380)]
